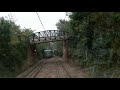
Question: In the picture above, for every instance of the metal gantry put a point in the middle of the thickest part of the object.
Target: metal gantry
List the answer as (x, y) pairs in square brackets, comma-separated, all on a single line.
[(48, 36)]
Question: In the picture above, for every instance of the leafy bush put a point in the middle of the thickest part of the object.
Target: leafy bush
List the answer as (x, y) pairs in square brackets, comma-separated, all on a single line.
[(96, 41)]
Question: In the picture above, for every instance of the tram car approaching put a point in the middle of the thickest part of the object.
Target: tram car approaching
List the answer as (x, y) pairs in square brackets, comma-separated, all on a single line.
[(48, 53)]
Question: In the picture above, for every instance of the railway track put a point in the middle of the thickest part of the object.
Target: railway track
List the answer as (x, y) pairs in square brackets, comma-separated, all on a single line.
[(37, 70), (33, 71), (68, 74), (63, 66), (59, 70)]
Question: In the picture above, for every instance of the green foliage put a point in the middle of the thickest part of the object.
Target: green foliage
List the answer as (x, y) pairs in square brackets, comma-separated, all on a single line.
[(4, 41), (59, 47), (13, 47), (40, 50), (96, 41)]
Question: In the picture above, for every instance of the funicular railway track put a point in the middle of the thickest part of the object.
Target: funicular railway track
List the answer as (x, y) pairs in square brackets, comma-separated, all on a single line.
[(54, 66), (37, 70), (62, 65), (33, 71)]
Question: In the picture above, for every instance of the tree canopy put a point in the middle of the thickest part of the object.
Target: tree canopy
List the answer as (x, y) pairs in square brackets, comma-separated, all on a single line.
[(96, 39)]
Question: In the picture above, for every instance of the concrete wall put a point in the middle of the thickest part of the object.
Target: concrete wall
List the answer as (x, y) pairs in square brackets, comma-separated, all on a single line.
[(65, 50)]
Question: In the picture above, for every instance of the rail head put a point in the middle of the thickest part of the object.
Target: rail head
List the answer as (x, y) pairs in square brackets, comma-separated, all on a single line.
[(24, 74)]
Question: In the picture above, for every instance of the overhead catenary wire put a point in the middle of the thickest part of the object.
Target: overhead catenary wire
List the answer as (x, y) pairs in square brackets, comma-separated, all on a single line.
[(40, 20), (42, 26)]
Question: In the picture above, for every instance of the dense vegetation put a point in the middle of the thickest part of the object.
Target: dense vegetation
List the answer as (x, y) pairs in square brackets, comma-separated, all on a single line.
[(96, 41), (14, 48), (95, 44)]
